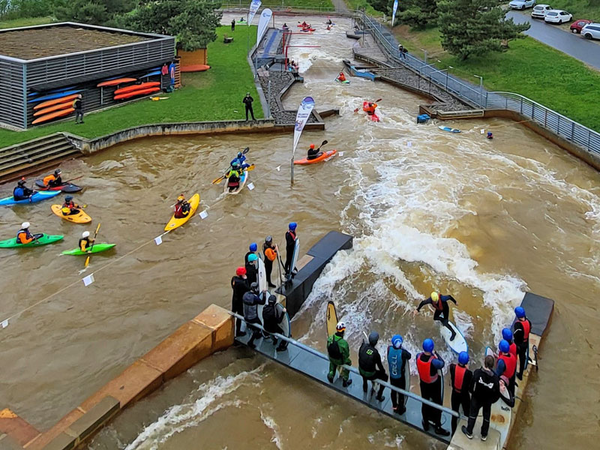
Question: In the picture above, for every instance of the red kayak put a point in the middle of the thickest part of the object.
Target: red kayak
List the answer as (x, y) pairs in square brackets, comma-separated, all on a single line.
[(65, 187), (324, 156)]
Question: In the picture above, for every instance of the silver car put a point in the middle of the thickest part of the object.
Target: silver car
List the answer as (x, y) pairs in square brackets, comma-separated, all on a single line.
[(521, 4), (591, 31)]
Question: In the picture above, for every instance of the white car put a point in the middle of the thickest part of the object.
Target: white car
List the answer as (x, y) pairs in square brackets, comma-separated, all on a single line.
[(591, 31), (539, 11), (522, 4), (557, 16)]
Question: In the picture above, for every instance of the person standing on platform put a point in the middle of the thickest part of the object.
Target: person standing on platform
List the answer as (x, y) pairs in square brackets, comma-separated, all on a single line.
[(507, 365), (398, 359), (252, 249), (428, 365), (239, 284), (485, 391), (521, 330), (270, 251), (251, 301), (290, 245), (252, 268), (461, 382), (338, 351), (78, 106), (508, 337), (370, 366)]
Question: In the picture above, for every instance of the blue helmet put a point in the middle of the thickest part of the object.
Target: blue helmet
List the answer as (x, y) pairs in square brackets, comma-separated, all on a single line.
[(240, 154), (520, 312), (397, 341), (504, 346), (507, 335), (428, 345), (293, 226), (253, 247), (252, 257), (463, 358)]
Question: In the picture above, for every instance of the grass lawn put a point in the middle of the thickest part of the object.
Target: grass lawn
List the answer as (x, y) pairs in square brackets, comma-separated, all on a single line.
[(26, 22), (363, 4), (213, 95), (581, 9), (529, 68)]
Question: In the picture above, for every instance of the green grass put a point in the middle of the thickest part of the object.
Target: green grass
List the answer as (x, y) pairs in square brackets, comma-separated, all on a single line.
[(213, 95), (529, 68), (26, 22), (363, 4), (581, 9)]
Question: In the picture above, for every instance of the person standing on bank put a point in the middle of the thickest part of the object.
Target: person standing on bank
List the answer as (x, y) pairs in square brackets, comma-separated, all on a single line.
[(398, 362), (78, 106), (461, 382), (485, 391), (270, 251), (248, 103), (232, 24), (428, 365), (239, 284), (290, 245), (521, 330), (370, 366)]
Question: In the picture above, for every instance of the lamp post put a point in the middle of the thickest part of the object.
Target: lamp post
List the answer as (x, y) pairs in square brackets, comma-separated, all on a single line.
[(480, 89)]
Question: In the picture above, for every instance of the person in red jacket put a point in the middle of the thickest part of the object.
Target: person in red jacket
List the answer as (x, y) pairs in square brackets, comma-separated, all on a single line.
[(508, 337), (521, 330), (461, 382), (182, 208), (507, 365)]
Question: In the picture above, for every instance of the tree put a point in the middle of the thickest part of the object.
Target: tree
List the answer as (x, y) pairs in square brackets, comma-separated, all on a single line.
[(193, 22), (419, 13), (475, 27), (93, 12)]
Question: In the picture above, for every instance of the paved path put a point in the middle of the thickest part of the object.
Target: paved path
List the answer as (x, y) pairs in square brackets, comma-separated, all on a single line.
[(340, 6), (571, 44)]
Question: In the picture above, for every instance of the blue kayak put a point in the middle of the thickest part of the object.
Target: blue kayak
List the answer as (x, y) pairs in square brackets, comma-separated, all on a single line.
[(36, 197), (53, 96), (151, 74)]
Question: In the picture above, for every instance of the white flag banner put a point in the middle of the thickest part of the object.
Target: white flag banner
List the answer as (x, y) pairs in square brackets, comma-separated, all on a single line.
[(304, 111), (252, 12), (394, 11), (263, 24)]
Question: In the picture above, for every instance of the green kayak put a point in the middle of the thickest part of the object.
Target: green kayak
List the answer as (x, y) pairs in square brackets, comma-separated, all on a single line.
[(97, 249), (43, 240)]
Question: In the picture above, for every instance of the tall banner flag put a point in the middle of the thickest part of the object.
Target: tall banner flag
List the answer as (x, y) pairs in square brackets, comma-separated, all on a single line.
[(304, 111), (394, 11), (253, 8), (263, 24)]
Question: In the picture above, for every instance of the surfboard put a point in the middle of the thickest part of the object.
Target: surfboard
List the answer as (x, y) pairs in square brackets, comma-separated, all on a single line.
[(459, 344), (331, 318), (262, 276), (285, 324), (501, 413), (295, 255)]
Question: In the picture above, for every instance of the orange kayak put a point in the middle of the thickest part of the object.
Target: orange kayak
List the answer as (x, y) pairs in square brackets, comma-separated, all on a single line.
[(322, 157), (136, 87), (43, 112), (54, 115), (56, 101), (116, 82)]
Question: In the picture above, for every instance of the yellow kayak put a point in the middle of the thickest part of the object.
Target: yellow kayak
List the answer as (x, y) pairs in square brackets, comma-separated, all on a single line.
[(81, 217), (176, 223)]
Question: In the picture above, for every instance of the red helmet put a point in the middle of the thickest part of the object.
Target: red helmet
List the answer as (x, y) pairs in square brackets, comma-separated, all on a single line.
[(240, 271), (312, 146)]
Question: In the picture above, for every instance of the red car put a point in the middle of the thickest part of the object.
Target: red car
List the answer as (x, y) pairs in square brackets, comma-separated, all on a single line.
[(578, 25)]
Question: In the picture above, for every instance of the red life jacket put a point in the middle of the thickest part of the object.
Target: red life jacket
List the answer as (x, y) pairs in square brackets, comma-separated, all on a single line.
[(439, 305), (424, 369), (459, 376), (526, 328), (513, 349), (510, 361), (293, 235)]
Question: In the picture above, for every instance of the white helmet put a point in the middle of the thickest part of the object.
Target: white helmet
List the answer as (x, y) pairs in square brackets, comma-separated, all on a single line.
[(25, 225), (85, 234), (341, 326)]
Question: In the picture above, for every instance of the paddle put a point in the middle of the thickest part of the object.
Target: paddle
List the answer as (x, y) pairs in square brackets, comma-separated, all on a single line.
[(221, 178), (73, 179), (376, 101), (87, 260)]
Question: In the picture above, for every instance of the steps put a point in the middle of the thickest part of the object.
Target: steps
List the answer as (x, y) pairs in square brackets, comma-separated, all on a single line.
[(33, 156)]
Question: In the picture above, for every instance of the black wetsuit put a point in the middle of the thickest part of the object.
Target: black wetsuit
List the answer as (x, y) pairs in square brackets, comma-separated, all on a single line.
[(246, 257), (272, 317), (371, 368), (240, 286), (251, 272), (78, 105), (268, 263), (442, 314), (290, 244), (313, 154), (431, 391), (248, 102), (461, 395), (522, 345), (485, 391), (251, 302)]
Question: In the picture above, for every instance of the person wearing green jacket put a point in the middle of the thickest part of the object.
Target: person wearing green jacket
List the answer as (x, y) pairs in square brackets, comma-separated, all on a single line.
[(339, 355)]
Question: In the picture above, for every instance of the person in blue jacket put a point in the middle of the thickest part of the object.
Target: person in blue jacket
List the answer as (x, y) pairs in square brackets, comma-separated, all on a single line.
[(398, 358), (22, 192)]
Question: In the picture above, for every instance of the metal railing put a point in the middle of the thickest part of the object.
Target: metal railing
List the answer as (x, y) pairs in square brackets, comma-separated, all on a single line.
[(477, 96)]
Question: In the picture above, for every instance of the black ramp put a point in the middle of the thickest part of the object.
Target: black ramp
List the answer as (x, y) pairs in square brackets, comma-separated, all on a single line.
[(539, 310)]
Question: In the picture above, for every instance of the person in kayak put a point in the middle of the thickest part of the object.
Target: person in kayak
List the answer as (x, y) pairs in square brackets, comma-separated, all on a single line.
[(370, 366), (290, 245), (272, 317), (24, 236), (461, 382), (251, 268), (304, 24), (370, 108), (507, 365), (339, 355), (428, 365), (490, 135), (398, 358), (69, 207), (22, 192), (271, 252), (239, 285), (521, 330), (329, 22), (341, 76), (182, 208), (251, 301), (241, 159), (313, 153), (53, 180), (441, 308), (252, 249), (233, 176), (485, 391), (85, 243)]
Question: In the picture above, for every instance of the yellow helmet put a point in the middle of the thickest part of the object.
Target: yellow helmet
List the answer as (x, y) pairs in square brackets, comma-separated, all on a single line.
[(180, 198), (435, 296)]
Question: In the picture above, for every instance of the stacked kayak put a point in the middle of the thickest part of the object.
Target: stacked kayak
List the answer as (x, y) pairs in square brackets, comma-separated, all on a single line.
[(65, 187), (324, 156), (175, 222), (96, 249), (243, 179), (43, 240), (80, 217), (36, 197)]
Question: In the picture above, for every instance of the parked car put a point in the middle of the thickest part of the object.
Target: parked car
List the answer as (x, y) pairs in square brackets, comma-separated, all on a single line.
[(521, 4), (557, 16), (591, 31), (578, 25), (539, 11)]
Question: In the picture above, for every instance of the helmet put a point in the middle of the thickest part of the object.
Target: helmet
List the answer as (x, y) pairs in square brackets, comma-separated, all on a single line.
[(254, 287), (180, 198), (240, 271), (507, 335), (272, 299), (25, 225), (373, 338), (269, 239), (312, 146), (397, 341), (504, 346), (463, 358), (68, 198), (21, 182), (235, 164), (293, 226), (435, 296), (520, 312), (85, 234), (57, 172), (240, 154), (428, 345), (341, 326), (253, 247), (252, 257)]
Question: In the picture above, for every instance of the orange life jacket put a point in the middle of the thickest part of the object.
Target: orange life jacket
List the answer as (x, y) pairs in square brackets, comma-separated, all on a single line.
[(48, 180), (22, 237), (271, 254)]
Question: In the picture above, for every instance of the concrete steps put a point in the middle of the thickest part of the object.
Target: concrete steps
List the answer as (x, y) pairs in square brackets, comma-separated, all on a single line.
[(33, 156)]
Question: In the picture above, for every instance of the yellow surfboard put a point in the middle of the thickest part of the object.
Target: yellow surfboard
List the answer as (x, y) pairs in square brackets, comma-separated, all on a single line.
[(176, 223), (331, 319), (81, 217)]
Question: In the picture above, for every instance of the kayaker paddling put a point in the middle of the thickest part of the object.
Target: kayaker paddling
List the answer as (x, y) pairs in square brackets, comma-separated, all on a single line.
[(24, 236), (53, 180), (69, 207), (85, 243), (182, 208), (22, 192)]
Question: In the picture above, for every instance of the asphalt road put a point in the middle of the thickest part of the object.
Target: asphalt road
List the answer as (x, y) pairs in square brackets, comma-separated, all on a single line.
[(569, 43)]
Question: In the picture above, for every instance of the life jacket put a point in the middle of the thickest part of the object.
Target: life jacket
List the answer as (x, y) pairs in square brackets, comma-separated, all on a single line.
[(48, 180), (270, 253), (366, 358), (510, 361), (459, 377), (293, 235), (526, 328), (370, 110), (182, 209), (342, 77), (439, 305), (424, 369), (396, 363), (24, 237), (513, 349), (84, 244)]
